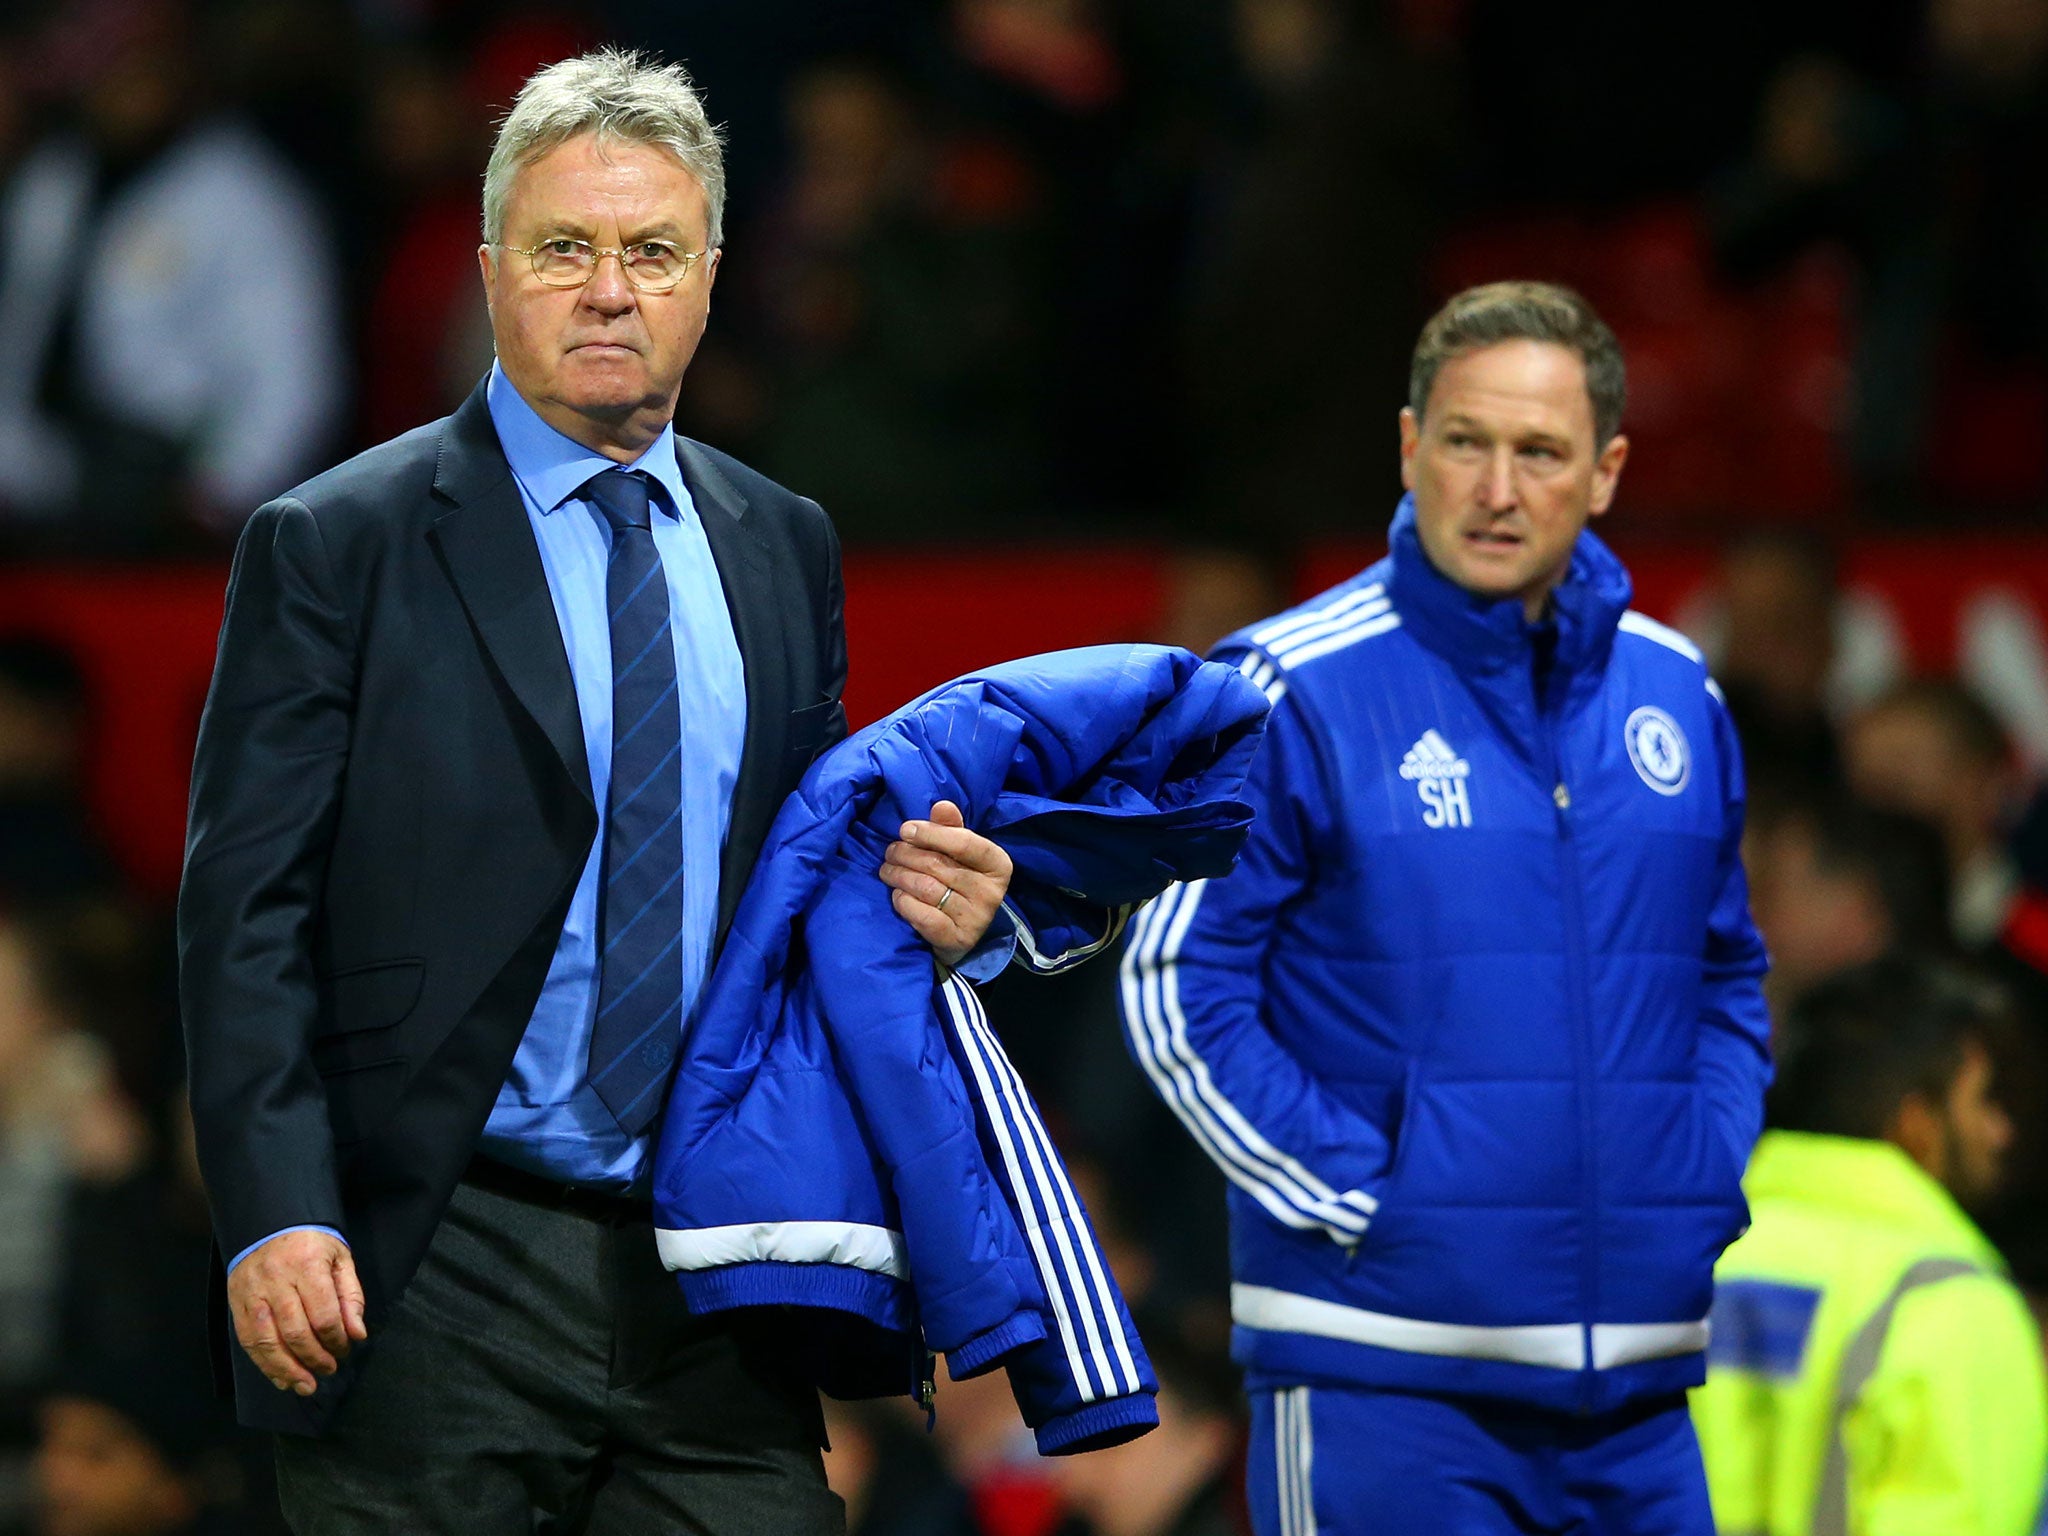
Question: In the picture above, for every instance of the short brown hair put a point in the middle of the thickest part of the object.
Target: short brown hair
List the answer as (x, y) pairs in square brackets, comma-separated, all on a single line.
[(1524, 311), (1957, 710)]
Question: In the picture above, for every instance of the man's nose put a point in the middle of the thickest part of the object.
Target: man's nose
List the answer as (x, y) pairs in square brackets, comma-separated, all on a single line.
[(1497, 481), (608, 290)]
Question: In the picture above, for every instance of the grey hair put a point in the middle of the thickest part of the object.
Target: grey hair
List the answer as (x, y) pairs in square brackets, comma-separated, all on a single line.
[(1524, 311), (623, 97)]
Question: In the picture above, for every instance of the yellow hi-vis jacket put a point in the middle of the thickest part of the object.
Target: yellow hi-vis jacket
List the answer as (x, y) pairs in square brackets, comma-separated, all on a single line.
[(1871, 1371)]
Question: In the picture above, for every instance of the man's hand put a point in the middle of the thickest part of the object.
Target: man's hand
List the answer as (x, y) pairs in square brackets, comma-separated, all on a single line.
[(298, 1307), (940, 861)]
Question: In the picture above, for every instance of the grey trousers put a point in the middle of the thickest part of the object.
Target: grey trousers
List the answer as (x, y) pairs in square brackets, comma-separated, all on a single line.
[(541, 1374)]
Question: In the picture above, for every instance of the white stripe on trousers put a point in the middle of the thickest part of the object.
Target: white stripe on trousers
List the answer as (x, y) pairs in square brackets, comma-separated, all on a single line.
[(1294, 1462)]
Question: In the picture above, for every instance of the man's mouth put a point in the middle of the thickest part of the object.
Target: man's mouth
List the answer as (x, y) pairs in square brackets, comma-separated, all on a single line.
[(1493, 538)]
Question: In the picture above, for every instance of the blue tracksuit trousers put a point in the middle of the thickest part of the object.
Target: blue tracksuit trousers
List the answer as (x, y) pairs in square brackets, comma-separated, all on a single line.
[(1351, 1461)]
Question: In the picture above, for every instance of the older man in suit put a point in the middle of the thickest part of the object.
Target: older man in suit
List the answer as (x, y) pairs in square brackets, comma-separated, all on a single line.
[(502, 712)]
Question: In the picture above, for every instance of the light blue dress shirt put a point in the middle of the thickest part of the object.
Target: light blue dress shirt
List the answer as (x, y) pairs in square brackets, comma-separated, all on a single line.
[(548, 1120)]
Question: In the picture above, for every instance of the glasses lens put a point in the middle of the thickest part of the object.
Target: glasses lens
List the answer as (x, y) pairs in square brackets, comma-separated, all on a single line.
[(655, 266), (562, 263)]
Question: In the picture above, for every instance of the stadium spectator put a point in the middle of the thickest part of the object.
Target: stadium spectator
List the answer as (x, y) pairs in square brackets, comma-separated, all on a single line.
[(891, 1476), (1834, 883), (1930, 748), (1939, 191), (138, 1445), (1308, 269), (1933, 747), (49, 851), (136, 1252), (1180, 1480), (904, 385), (1774, 642), (174, 354), (1055, 114), (1871, 1368), (426, 336), (63, 1125)]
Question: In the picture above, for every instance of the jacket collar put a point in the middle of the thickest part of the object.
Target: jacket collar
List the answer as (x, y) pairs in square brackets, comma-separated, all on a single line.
[(1486, 635), (1871, 1179)]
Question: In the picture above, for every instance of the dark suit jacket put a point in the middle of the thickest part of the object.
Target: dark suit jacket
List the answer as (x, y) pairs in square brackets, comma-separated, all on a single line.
[(390, 809)]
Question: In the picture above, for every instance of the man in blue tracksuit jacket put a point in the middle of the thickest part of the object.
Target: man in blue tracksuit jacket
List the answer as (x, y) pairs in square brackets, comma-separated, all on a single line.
[(1475, 1029)]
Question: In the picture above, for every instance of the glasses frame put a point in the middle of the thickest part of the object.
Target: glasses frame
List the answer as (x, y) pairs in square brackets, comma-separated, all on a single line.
[(598, 254)]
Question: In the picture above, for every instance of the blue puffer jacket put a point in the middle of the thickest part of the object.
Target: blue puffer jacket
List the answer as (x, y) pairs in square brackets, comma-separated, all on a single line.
[(1476, 1028), (845, 1136)]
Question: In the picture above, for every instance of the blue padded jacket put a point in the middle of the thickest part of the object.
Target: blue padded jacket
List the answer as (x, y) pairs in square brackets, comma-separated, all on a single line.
[(1475, 1029), (845, 1137)]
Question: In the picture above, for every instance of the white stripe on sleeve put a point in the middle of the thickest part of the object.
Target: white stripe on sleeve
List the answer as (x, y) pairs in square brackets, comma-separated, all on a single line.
[(1158, 1028), (1034, 1231), (1097, 1300)]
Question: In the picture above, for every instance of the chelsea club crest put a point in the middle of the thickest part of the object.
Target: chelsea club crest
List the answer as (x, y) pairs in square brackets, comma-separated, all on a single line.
[(1657, 747)]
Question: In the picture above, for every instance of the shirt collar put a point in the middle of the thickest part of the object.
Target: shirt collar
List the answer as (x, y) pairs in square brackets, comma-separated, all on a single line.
[(552, 468)]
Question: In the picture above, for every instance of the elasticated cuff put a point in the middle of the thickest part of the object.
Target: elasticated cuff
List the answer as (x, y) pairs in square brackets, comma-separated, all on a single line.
[(877, 1298), (1096, 1426), (985, 1351)]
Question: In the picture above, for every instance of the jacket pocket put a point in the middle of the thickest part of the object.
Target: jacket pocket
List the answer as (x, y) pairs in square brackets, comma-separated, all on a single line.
[(1723, 1180), (373, 995), (1401, 1126)]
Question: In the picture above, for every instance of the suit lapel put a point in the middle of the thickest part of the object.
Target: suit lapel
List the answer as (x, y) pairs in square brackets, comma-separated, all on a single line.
[(746, 573), (492, 558)]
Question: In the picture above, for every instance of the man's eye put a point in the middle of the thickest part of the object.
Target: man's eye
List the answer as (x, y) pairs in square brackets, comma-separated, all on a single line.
[(653, 250), (561, 247), (1538, 451)]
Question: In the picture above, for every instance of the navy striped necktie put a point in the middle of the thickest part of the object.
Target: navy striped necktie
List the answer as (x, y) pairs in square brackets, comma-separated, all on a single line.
[(639, 1028)]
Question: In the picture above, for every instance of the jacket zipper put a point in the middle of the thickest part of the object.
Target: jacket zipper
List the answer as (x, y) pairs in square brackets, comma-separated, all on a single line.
[(1580, 1003)]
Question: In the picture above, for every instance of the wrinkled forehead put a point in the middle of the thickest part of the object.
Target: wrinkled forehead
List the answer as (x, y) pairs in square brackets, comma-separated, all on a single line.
[(598, 185)]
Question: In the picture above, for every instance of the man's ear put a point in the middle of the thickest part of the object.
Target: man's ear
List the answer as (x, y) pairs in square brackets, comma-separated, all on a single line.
[(1607, 473), (1411, 439), (1918, 1129), (487, 268)]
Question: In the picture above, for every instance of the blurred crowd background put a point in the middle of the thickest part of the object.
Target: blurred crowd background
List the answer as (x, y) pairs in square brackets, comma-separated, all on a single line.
[(1066, 283)]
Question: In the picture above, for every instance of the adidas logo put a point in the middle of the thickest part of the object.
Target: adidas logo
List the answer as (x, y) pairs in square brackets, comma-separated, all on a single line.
[(1432, 758), (1439, 776)]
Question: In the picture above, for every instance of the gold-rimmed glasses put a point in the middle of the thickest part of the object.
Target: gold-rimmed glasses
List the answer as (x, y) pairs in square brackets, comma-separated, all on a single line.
[(652, 266)]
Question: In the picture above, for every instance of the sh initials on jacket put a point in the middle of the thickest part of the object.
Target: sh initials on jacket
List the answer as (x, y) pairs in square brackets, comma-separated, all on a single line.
[(1439, 775)]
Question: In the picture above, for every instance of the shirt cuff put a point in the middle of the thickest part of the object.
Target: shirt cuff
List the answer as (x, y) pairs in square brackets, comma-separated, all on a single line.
[(986, 960), (280, 1232)]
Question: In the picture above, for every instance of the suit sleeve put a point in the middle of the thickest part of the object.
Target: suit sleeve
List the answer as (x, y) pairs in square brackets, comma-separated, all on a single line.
[(1192, 988), (1734, 1059), (266, 786)]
